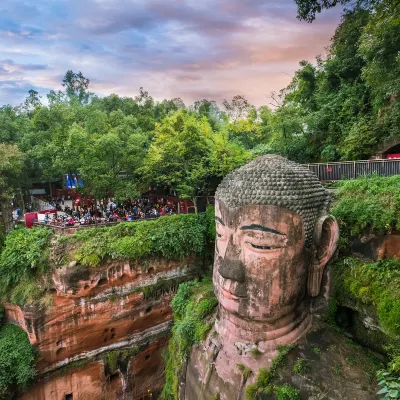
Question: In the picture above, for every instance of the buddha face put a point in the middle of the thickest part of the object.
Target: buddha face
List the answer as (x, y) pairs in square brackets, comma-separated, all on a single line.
[(261, 264)]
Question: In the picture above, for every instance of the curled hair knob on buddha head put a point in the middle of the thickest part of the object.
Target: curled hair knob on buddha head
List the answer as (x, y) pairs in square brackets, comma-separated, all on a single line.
[(274, 180)]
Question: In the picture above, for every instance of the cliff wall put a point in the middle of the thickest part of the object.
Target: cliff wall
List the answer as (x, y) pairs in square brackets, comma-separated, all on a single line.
[(100, 330)]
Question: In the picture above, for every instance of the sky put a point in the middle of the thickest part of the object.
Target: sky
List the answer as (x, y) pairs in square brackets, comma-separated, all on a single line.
[(192, 49)]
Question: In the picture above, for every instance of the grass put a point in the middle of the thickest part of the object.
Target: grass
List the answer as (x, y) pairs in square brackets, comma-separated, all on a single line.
[(300, 366), (265, 376)]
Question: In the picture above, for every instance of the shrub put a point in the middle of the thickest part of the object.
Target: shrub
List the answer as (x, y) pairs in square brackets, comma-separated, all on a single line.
[(16, 361), (376, 284), (24, 260), (367, 204), (286, 392), (300, 366), (173, 237)]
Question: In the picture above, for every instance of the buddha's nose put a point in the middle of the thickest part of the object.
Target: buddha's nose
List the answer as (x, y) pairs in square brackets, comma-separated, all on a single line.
[(231, 267)]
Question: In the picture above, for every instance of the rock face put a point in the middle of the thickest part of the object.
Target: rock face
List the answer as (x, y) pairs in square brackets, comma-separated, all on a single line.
[(376, 247), (330, 367), (103, 335)]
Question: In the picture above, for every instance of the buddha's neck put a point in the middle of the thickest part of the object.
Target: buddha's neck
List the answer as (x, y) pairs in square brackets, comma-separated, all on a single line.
[(268, 336)]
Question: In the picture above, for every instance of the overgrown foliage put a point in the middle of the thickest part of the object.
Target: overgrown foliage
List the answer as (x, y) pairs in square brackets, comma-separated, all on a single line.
[(390, 385), (264, 383), (192, 305), (286, 392), (369, 204), (119, 359), (171, 237), (376, 284), (24, 265), (16, 361)]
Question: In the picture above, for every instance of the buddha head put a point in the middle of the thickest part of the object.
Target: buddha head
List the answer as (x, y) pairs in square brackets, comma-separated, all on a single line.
[(274, 238)]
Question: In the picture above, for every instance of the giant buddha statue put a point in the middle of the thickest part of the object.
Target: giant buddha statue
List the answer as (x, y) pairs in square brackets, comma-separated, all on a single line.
[(274, 239)]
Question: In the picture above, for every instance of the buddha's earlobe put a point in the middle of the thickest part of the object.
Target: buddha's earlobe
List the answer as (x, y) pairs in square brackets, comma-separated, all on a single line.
[(326, 236)]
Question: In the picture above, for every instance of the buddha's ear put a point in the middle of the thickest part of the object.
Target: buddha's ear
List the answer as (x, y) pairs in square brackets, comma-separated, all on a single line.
[(326, 236)]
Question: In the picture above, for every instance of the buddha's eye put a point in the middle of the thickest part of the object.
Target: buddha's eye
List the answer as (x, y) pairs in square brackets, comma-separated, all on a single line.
[(255, 246)]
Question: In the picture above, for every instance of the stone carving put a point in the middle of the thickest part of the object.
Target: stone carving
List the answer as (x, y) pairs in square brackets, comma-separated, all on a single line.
[(274, 238)]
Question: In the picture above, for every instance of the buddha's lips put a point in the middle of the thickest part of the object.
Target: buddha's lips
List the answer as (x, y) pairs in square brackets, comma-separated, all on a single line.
[(229, 295)]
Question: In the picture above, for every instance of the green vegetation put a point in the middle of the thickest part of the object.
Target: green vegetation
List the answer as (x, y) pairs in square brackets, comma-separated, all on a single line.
[(169, 237), (316, 350), (337, 370), (265, 377), (300, 366), (116, 359), (193, 306), (72, 366), (375, 284), (390, 386), (255, 352), (24, 265), (370, 204), (16, 361), (286, 392), (246, 372)]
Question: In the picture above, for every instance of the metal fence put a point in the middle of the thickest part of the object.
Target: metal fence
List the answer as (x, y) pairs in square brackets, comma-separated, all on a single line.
[(337, 171)]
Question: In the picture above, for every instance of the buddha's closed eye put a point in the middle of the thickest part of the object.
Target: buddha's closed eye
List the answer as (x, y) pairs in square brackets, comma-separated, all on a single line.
[(260, 247)]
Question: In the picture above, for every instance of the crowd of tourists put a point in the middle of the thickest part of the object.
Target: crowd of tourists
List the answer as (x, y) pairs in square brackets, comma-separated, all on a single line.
[(112, 213)]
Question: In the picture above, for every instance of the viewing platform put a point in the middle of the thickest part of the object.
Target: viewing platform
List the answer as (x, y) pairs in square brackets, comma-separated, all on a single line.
[(338, 171)]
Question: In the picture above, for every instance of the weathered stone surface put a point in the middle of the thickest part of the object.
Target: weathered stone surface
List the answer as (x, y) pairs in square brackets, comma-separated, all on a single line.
[(334, 369), (118, 305), (375, 247), (145, 372)]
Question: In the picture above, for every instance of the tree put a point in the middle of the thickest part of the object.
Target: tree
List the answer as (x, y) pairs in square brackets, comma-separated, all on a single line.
[(32, 102), (11, 165), (209, 109), (308, 9), (13, 125), (179, 155), (76, 86), (16, 361), (238, 108)]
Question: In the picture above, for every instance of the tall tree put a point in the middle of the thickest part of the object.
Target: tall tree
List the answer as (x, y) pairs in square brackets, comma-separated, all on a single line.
[(11, 166), (308, 9), (238, 108), (76, 86), (179, 154)]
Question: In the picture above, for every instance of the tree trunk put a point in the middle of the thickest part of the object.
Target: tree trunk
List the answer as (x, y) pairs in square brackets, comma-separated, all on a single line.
[(22, 201), (6, 210), (194, 200)]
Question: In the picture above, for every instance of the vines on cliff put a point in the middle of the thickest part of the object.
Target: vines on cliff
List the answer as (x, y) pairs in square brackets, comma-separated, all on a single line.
[(376, 284), (192, 305), (24, 265)]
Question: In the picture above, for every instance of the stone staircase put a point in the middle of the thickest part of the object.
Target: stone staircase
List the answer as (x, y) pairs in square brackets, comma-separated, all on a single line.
[(40, 205)]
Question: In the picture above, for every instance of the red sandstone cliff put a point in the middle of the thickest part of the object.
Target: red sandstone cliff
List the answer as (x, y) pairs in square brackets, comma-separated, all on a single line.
[(102, 338)]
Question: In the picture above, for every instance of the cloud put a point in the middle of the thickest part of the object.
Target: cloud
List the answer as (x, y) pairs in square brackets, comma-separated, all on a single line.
[(186, 48)]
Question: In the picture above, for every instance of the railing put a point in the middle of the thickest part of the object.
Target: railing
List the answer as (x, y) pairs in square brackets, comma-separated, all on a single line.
[(62, 226), (337, 171)]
